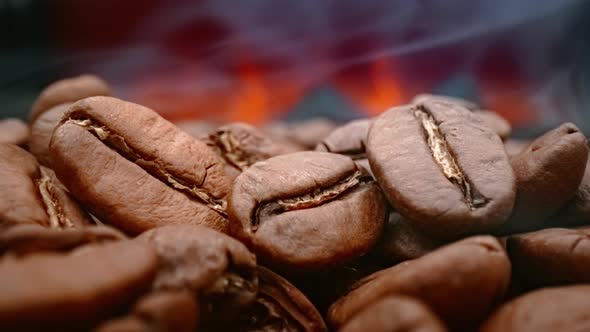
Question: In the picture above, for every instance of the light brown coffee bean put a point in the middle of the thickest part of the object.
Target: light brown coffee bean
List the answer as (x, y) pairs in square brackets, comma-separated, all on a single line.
[(13, 131), (42, 130)]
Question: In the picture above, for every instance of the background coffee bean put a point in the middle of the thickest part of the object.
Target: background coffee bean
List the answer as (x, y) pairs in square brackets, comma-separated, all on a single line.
[(13, 131)]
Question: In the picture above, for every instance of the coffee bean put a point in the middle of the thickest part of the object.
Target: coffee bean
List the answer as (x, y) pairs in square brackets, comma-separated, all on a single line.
[(397, 314), (425, 97), (548, 173), (31, 194), (545, 310), (554, 256), (577, 210), (27, 238), (207, 262), (58, 292), (460, 282), (441, 168), (515, 146), (349, 140), (13, 131), (135, 170), (68, 91), (279, 306), (42, 130), (306, 210)]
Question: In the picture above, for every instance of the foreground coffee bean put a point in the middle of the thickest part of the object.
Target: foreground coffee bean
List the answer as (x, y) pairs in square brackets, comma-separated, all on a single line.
[(545, 310), (442, 168), (460, 282), (548, 173), (395, 314), (13, 131), (30, 194), (158, 312), (135, 170), (554, 256), (209, 263), (41, 131), (279, 306), (58, 292), (306, 210), (68, 90)]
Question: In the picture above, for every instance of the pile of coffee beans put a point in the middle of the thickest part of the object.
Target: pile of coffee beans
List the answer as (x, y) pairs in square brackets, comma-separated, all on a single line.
[(428, 217)]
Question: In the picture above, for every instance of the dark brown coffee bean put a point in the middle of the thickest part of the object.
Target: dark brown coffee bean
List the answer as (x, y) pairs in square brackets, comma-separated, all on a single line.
[(207, 262), (126, 324), (395, 314), (279, 307), (401, 241), (552, 256), (30, 194), (135, 170), (310, 132), (577, 210), (68, 90), (13, 131), (306, 210), (57, 292), (349, 139), (41, 131), (241, 145), (545, 310), (27, 238), (460, 282), (442, 168), (548, 173)]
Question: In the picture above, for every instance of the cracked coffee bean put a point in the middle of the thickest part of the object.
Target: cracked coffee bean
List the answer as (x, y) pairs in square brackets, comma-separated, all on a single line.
[(280, 307), (240, 145), (553, 256), (31, 194), (306, 210), (13, 131), (133, 169), (213, 265), (68, 90), (73, 291), (158, 312), (28, 238), (42, 130), (548, 173), (442, 168), (545, 310), (460, 282), (395, 314)]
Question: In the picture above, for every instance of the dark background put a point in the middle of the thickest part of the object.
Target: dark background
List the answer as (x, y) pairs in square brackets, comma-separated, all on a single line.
[(266, 60)]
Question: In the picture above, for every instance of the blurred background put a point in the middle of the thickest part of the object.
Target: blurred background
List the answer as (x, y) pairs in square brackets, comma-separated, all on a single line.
[(268, 60)]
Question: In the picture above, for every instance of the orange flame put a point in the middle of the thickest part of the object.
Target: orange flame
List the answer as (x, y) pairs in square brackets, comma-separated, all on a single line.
[(377, 91)]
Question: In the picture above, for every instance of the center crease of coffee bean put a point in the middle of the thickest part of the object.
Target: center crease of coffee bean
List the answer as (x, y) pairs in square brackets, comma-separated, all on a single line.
[(230, 150), (118, 144), (317, 197), (57, 218), (446, 161)]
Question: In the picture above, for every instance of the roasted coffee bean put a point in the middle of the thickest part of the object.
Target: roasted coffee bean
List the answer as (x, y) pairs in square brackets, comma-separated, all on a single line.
[(241, 145), (577, 210), (545, 310), (27, 238), (41, 131), (349, 139), (13, 131), (395, 314), (460, 282), (135, 170), (31, 194), (68, 91), (495, 122), (515, 146), (158, 312), (198, 129), (441, 168), (554, 256), (279, 307), (207, 262), (310, 132), (306, 210), (59, 292), (548, 173), (401, 241)]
